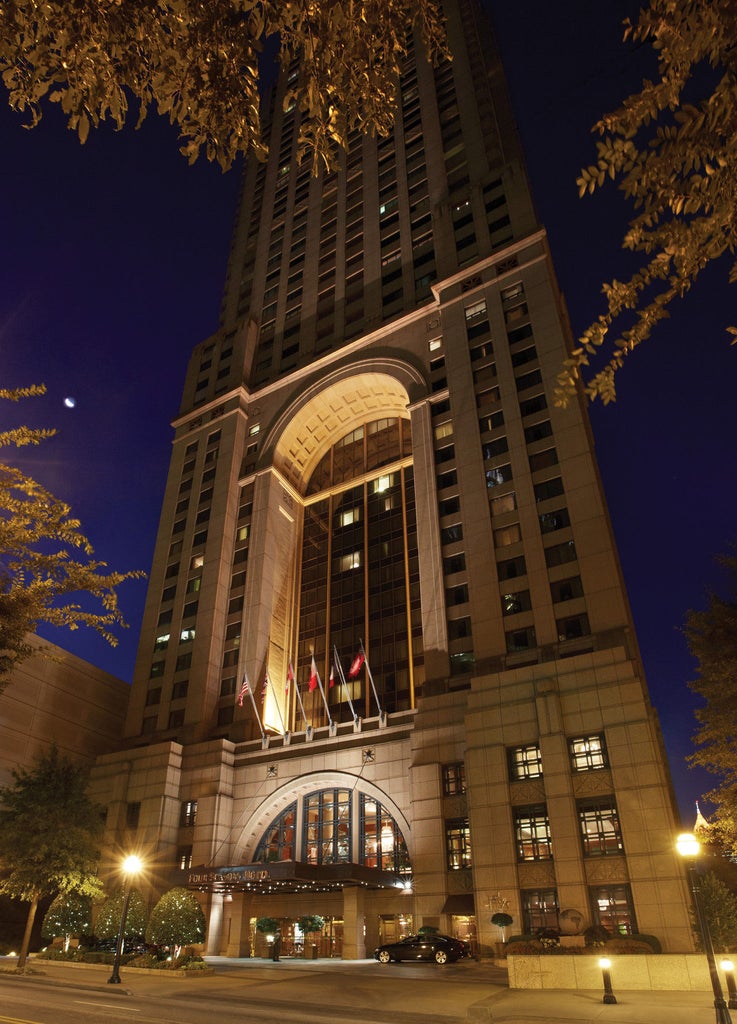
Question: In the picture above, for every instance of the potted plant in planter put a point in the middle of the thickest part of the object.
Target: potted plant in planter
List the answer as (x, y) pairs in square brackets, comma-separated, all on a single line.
[(309, 924), (502, 921)]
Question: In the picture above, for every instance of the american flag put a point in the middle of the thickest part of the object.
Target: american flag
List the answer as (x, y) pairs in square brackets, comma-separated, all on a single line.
[(243, 690)]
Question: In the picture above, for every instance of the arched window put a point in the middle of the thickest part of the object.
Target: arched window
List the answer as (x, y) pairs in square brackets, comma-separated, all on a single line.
[(329, 827)]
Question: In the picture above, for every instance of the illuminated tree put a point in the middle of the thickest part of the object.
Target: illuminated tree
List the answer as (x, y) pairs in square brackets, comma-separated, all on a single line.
[(176, 920), (712, 639), (49, 834), (70, 914), (107, 924), (41, 577), (671, 148), (198, 64)]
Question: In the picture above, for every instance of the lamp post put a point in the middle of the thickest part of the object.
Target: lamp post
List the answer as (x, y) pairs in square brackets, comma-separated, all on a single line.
[(728, 967), (131, 866), (605, 963), (688, 847)]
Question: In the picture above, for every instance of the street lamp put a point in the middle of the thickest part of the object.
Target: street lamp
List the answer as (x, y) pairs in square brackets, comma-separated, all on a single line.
[(605, 963), (131, 866), (688, 847), (728, 967)]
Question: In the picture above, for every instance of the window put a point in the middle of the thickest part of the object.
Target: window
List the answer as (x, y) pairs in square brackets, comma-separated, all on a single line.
[(176, 718), (548, 489), (451, 534), (454, 779), (453, 564), (504, 503), (552, 521), (543, 460), (588, 753), (179, 690), (511, 568), (566, 590), (507, 535), (612, 908), (520, 640), (539, 909), (600, 832), (525, 762), (227, 686), (183, 661), (449, 506), (350, 561), (498, 475), (458, 628), (153, 696), (573, 627), (559, 554), (516, 602), (532, 833), (458, 844), (456, 595), (132, 815), (327, 822), (188, 814), (184, 858)]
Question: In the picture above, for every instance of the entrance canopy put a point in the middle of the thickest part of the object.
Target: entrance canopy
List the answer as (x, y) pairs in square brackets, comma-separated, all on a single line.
[(289, 877)]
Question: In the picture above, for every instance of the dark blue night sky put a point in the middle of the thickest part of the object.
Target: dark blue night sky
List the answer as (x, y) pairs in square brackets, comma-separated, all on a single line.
[(113, 259)]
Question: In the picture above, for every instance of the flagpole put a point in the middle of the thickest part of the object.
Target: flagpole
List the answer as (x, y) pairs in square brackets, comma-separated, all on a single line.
[(368, 673), (343, 682), (322, 692), (249, 691), (299, 695)]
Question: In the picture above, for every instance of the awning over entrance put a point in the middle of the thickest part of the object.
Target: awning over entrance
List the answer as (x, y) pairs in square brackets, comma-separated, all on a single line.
[(462, 903), (290, 876)]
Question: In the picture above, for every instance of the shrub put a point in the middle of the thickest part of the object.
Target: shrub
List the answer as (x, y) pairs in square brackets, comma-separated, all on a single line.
[(651, 940), (596, 935), (176, 920), (524, 947)]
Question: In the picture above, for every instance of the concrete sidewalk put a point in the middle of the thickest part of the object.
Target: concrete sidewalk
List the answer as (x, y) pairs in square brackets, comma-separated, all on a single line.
[(392, 994)]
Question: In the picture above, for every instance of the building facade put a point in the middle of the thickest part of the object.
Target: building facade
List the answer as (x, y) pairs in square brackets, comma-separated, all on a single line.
[(387, 672)]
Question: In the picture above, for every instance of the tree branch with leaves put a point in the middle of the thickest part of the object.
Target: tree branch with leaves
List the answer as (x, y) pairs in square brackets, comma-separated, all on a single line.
[(672, 148), (198, 64), (46, 572)]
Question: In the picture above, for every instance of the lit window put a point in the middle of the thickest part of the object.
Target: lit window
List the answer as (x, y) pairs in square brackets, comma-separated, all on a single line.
[(443, 430), (188, 814), (588, 753), (186, 634), (242, 533), (458, 844), (254, 429), (532, 833), (197, 562), (525, 762), (612, 908), (349, 516), (350, 561), (382, 483), (600, 832), (505, 503), (454, 779), (475, 312), (434, 344), (539, 909)]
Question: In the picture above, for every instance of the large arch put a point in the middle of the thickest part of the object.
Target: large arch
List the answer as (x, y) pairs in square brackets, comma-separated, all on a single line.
[(251, 833)]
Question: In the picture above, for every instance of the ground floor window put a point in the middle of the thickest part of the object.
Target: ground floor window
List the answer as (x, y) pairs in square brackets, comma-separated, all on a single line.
[(463, 927), (612, 908), (539, 909)]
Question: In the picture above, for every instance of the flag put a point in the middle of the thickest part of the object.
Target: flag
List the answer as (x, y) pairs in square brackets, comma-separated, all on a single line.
[(290, 678), (356, 665), (331, 680), (312, 686), (265, 687), (244, 691)]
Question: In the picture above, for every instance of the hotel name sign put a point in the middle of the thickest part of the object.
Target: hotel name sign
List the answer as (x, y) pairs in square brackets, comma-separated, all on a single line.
[(229, 876)]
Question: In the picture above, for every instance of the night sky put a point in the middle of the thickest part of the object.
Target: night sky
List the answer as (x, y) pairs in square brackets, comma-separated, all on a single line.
[(113, 257)]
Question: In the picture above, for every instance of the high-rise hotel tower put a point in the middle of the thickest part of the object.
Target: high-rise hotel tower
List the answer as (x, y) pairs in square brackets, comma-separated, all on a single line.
[(368, 462)]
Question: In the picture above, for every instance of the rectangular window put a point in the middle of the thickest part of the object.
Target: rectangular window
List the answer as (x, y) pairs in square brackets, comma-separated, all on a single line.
[(153, 696), (539, 909), (176, 718), (511, 568), (498, 475), (600, 831), (588, 753), (458, 628), (556, 520), (559, 554), (532, 833), (454, 779), (543, 460), (612, 908), (516, 602), (184, 858), (458, 844), (451, 534), (548, 489), (188, 814), (507, 535), (573, 627), (504, 503), (566, 590), (520, 640), (453, 564), (449, 506), (132, 815), (525, 762)]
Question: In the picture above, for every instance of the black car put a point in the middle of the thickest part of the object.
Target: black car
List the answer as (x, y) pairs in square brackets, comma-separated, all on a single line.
[(440, 948)]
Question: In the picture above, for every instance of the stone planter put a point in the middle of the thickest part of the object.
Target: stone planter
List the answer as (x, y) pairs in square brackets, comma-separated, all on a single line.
[(667, 972)]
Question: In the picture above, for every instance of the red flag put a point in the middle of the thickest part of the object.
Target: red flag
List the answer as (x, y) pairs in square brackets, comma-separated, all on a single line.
[(356, 665), (244, 691), (313, 676), (331, 681)]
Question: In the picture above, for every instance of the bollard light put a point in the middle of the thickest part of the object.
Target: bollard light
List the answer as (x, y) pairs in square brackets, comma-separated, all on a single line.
[(131, 867), (605, 964), (688, 847), (728, 967)]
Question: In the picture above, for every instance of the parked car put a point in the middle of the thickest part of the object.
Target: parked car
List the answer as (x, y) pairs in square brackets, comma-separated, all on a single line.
[(440, 948)]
